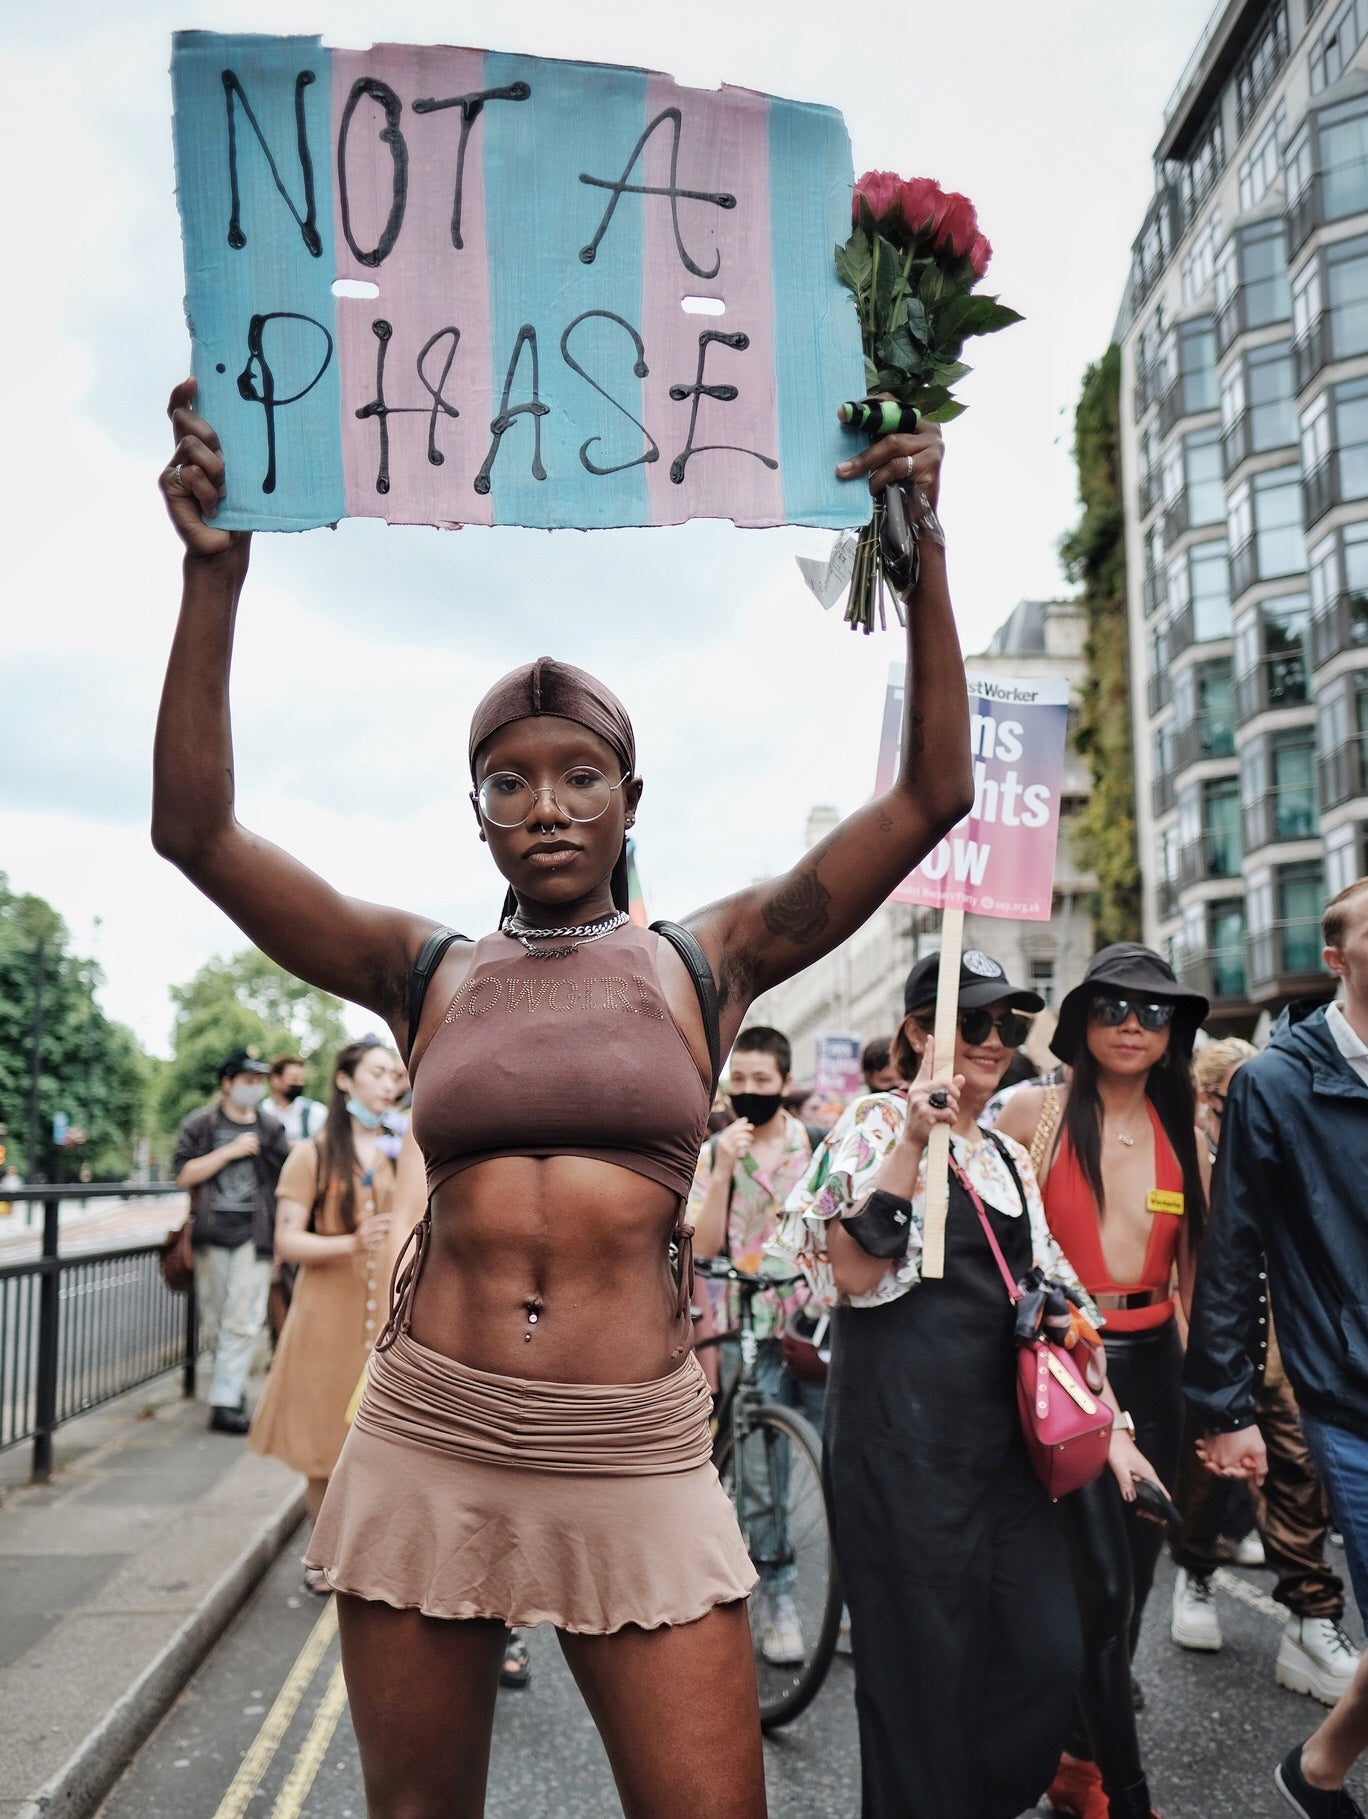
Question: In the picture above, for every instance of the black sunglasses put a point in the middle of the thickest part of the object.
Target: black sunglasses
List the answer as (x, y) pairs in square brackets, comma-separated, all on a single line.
[(1111, 1013), (976, 1025)]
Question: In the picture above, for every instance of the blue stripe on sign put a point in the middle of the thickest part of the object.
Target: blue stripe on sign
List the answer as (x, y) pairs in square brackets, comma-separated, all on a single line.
[(817, 357), (538, 215), (271, 274)]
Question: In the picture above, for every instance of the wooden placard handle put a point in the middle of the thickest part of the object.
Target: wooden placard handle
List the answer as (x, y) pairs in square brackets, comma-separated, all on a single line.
[(938, 1149)]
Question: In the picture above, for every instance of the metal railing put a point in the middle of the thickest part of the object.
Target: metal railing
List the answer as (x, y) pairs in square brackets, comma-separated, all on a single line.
[(1344, 772), (1210, 856), (1313, 351), (1287, 952), (1218, 973), (1276, 681), (1208, 736), (1159, 689), (1305, 213), (1342, 626), (1320, 489), (77, 1331)]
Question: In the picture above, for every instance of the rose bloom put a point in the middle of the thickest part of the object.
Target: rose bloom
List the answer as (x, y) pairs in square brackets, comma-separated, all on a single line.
[(921, 201), (959, 226), (980, 252), (880, 190)]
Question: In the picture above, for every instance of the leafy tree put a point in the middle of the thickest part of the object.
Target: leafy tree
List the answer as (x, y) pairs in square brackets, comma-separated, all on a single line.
[(245, 1002), (1094, 557), (92, 1068)]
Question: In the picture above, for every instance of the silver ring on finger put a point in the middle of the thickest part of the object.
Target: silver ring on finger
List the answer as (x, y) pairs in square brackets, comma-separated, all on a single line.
[(174, 475), (909, 463)]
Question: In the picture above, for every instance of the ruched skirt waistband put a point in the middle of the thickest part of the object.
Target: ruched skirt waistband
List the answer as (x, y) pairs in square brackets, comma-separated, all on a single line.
[(613, 1430)]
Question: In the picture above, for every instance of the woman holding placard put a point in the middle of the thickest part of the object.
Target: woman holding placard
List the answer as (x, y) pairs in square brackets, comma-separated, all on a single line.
[(963, 1620), (1124, 1173), (533, 1441)]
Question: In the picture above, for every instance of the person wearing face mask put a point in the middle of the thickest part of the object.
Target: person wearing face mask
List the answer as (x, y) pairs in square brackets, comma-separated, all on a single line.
[(299, 1115), (334, 1223), (229, 1155), (744, 1175)]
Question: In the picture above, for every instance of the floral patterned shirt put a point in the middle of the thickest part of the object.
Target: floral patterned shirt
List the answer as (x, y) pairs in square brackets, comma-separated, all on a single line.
[(757, 1204), (842, 1174)]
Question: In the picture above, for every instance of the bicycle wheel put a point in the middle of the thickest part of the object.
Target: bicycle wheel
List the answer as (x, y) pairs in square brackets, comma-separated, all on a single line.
[(780, 1503)]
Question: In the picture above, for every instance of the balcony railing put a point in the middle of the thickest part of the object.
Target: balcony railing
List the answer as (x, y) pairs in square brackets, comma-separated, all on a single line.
[(1288, 952), (1313, 351), (1148, 493), (1182, 630), (1175, 519), (1320, 490), (1218, 973), (1244, 566), (1278, 681), (1161, 793), (1155, 591), (1167, 895), (1159, 690), (1279, 815), (1305, 213), (1212, 856), (1201, 739), (1174, 405), (1235, 443), (1341, 626), (1343, 772)]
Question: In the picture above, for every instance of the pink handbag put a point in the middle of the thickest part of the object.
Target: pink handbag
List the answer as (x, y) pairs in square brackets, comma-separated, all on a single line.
[(1066, 1427)]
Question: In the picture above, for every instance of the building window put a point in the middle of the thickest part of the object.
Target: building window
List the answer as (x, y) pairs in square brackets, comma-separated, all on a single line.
[(1203, 473), (1298, 163), (1263, 263), (1346, 294), (1354, 554), (1042, 978), (1286, 621), (1332, 50), (1209, 581), (1346, 857), (1265, 526), (1197, 366), (1301, 890), (1306, 301), (1225, 945), (1351, 437), (1203, 164), (1294, 786), (1221, 827), (1259, 169), (1199, 262), (1342, 144)]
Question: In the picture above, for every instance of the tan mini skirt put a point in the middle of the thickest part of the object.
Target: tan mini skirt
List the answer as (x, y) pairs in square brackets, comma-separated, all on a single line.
[(463, 1494)]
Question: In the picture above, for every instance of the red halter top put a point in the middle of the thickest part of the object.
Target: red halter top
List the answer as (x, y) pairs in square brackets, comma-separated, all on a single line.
[(1071, 1212)]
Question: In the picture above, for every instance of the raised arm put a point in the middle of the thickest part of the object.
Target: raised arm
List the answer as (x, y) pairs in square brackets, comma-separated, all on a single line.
[(359, 950), (775, 929)]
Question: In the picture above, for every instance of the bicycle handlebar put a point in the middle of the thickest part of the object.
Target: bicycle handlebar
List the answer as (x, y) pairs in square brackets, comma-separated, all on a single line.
[(717, 1269)]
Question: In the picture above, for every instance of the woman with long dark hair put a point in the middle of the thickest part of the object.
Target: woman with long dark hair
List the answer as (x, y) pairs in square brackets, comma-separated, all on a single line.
[(1124, 1174), (533, 1441), (333, 1221)]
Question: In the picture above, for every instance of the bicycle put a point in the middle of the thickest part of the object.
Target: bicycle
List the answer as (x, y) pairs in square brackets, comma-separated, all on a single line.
[(769, 1459)]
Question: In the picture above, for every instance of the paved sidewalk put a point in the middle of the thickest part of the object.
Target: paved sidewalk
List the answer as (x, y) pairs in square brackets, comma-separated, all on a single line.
[(117, 1577)]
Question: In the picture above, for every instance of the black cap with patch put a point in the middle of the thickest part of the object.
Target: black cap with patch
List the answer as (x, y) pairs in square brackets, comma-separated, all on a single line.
[(981, 981), (241, 1061)]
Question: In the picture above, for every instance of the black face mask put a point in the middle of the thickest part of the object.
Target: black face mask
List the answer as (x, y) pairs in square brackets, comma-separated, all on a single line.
[(758, 1107), (292, 1092)]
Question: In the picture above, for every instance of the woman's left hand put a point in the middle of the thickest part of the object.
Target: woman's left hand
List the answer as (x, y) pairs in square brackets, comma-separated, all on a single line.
[(1129, 1463), (912, 461)]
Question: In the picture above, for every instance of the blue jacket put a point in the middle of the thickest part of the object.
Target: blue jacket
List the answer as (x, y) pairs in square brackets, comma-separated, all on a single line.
[(1291, 1185)]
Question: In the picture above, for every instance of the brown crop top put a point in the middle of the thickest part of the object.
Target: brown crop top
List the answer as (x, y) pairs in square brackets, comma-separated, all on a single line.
[(575, 1056)]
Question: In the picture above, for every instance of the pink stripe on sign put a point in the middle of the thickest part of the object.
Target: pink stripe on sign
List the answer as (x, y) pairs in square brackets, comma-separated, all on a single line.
[(429, 288), (723, 147)]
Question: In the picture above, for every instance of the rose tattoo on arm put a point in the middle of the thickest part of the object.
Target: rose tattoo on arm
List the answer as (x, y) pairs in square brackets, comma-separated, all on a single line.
[(799, 910)]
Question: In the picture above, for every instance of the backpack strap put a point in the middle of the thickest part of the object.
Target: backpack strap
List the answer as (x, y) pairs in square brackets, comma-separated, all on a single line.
[(429, 959), (686, 946)]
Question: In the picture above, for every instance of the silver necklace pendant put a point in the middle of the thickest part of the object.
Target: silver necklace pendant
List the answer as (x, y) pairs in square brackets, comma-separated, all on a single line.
[(1129, 1142)]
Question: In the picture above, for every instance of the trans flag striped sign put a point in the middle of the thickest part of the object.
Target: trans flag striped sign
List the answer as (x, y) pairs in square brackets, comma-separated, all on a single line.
[(443, 286)]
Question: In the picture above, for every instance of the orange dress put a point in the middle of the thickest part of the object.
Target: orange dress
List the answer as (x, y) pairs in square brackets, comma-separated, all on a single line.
[(336, 1312)]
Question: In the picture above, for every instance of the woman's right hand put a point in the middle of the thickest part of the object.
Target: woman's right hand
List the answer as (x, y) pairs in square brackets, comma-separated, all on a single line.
[(922, 1115), (192, 482), (372, 1232)]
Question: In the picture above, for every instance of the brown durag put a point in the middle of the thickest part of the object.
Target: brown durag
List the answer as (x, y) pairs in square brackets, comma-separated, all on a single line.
[(559, 689), (549, 687)]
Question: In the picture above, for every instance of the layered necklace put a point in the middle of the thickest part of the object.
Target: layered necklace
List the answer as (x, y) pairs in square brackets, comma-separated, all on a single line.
[(564, 940)]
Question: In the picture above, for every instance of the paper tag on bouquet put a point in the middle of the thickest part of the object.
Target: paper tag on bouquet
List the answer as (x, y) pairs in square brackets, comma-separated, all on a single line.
[(830, 579)]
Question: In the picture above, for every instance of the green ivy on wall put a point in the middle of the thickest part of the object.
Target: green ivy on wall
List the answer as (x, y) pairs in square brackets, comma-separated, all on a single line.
[(1094, 558)]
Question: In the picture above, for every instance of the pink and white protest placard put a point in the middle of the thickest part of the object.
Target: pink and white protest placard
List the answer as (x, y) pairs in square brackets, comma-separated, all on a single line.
[(1000, 860), (836, 1067)]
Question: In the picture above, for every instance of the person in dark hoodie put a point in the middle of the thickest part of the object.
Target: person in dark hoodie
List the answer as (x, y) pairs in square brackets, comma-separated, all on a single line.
[(1292, 1185)]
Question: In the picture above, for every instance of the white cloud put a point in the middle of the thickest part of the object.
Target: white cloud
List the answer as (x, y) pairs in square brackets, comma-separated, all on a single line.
[(361, 652)]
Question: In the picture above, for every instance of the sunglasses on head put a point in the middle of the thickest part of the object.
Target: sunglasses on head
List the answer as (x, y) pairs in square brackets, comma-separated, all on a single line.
[(1111, 1013), (977, 1025)]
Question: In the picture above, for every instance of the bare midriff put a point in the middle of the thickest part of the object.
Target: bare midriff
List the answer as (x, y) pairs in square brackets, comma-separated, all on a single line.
[(555, 1268)]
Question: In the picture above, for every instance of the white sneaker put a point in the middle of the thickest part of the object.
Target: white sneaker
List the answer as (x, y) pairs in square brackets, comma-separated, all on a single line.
[(1249, 1550), (781, 1639), (1315, 1656), (1194, 1623)]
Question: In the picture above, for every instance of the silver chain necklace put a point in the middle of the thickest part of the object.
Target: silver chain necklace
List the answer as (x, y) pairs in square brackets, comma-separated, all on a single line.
[(567, 939)]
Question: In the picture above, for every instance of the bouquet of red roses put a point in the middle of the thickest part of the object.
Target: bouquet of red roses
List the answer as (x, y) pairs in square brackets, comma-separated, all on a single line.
[(912, 264)]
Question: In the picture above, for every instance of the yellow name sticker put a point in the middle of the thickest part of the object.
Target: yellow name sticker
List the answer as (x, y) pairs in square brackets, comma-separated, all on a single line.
[(1161, 1200)]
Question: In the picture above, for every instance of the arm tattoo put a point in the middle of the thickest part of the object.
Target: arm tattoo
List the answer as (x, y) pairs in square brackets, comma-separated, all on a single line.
[(798, 911)]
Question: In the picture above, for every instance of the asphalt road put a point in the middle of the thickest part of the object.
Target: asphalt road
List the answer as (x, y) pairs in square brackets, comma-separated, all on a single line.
[(262, 1730)]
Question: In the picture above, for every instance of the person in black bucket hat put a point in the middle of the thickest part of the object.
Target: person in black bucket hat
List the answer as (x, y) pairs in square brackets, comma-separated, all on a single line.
[(1125, 1183), (964, 1624)]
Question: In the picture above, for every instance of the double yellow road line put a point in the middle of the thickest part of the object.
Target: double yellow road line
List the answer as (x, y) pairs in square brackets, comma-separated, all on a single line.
[(266, 1744)]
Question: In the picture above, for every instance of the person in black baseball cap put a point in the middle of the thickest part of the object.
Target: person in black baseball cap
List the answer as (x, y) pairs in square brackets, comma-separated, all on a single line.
[(964, 1624), (1125, 1183)]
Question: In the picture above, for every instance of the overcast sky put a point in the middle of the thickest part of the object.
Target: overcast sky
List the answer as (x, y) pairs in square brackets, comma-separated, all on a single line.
[(361, 651)]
